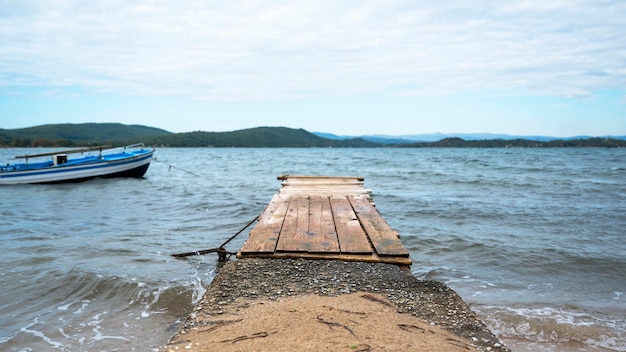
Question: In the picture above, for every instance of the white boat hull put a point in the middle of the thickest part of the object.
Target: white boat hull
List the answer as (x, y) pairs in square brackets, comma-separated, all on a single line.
[(132, 166)]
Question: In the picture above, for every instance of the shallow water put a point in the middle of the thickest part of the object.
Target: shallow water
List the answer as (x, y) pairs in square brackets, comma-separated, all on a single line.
[(532, 239)]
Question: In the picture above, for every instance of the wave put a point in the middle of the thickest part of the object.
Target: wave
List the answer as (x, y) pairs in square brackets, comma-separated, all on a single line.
[(82, 310), (556, 325), (519, 228)]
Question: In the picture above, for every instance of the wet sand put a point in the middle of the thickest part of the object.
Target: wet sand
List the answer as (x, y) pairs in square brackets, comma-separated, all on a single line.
[(309, 305)]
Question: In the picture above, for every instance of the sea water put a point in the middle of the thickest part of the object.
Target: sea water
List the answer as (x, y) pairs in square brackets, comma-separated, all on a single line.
[(533, 240)]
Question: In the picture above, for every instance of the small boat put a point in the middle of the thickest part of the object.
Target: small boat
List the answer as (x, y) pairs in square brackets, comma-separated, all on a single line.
[(104, 161)]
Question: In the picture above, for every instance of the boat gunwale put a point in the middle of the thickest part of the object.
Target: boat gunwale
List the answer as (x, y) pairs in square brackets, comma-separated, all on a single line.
[(97, 163), (61, 152), (90, 166)]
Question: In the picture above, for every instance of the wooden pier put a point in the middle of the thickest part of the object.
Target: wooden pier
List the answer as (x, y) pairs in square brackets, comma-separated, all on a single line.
[(324, 217)]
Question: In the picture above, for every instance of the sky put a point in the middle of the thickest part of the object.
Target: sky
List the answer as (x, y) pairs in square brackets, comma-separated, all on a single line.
[(534, 67)]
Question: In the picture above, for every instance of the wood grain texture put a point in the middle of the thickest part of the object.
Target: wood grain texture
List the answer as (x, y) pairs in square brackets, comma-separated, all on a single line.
[(324, 218), (352, 238), (294, 234), (384, 239), (264, 236), (322, 234)]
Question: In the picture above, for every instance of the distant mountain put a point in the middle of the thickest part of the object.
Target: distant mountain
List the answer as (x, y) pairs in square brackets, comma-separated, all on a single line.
[(330, 135), (374, 139), (595, 142), (93, 134), (82, 134), (435, 137), (69, 135), (259, 137)]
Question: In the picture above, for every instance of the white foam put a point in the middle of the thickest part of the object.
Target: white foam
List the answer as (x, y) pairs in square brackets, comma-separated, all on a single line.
[(64, 307), (198, 290), (99, 336), (64, 334), (82, 307), (553, 325), (41, 335)]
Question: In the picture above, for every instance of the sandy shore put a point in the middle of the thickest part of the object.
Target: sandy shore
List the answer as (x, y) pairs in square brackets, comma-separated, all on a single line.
[(308, 305)]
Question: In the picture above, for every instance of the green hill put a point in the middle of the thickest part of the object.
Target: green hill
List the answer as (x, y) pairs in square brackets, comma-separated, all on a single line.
[(456, 142), (90, 134), (94, 134), (258, 137), (84, 134)]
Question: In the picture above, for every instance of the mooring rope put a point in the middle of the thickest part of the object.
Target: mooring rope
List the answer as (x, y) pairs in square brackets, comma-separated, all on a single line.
[(221, 252), (177, 168)]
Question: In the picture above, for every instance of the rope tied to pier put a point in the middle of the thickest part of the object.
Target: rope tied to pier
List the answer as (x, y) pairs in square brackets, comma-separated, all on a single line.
[(175, 167), (222, 253)]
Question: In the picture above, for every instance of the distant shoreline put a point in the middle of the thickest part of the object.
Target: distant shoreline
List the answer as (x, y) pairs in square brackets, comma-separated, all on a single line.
[(452, 143), (92, 134)]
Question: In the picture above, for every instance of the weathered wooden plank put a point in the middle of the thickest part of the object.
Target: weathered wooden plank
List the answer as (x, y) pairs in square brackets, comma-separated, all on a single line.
[(296, 184), (351, 237), (369, 258), (306, 185), (322, 185), (326, 191), (384, 239), (264, 236), (322, 234), (307, 178), (294, 234), (324, 217)]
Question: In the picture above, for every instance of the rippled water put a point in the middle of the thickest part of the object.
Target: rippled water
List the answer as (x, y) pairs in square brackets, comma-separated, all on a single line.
[(533, 239)]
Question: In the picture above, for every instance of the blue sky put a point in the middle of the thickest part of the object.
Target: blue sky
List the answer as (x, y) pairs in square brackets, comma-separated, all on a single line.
[(554, 68)]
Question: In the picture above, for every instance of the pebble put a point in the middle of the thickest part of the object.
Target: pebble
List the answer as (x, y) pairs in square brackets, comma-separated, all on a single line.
[(276, 279)]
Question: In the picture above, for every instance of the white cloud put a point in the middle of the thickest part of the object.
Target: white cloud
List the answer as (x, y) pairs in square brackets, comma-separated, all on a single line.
[(255, 50)]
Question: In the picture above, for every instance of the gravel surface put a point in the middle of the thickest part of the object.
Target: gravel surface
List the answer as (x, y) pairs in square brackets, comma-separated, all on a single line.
[(276, 279)]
